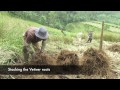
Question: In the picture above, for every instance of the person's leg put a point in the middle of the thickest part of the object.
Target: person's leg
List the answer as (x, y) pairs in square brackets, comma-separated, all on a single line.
[(90, 40), (25, 50), (25, 54), (36, 47)]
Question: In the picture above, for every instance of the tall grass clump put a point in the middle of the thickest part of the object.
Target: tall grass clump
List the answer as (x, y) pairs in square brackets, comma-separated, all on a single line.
[(113, 37), (2, 31)]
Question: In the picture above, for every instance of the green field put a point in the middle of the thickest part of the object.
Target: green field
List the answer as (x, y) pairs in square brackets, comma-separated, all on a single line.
[(11, 35), (12, 29)]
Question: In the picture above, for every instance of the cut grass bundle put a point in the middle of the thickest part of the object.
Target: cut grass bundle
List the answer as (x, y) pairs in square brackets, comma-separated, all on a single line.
[(114, 48), (67, 58), (95, 62), (42, 59)]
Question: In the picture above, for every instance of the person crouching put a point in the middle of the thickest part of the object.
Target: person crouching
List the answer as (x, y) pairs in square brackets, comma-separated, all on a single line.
[(33, 36)]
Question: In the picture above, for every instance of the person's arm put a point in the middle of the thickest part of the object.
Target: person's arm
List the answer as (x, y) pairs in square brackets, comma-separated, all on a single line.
[(43, 46)]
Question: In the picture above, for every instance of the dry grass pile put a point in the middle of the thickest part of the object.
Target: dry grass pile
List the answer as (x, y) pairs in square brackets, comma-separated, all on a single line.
[(66, 57), (43, 59), (68, 60), (95, 62), (114, 48)]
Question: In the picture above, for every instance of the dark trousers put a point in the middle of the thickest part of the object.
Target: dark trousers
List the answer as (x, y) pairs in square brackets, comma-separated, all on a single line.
[(89, 40)]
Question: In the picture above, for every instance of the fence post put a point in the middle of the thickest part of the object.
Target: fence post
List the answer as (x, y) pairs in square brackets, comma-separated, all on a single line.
[(101, 38)]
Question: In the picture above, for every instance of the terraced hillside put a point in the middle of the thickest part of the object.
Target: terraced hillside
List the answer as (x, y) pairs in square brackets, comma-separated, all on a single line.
[(11, 43)]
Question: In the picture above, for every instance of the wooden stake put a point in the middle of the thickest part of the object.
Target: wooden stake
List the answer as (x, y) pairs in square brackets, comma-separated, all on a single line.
[(101, 38)]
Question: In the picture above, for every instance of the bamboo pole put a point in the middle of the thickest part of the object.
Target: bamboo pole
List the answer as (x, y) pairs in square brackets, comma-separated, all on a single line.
[(101, 38)]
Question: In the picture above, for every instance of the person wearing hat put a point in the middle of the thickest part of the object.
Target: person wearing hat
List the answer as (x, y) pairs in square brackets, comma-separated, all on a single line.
[(32, 36)]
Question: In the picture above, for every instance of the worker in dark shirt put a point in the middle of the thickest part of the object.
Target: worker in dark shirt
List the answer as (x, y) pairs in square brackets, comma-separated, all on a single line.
[(90, 37), (32, 36)]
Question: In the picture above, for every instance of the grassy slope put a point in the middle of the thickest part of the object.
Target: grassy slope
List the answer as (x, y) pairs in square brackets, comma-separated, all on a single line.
[(11, 39), (90, 26), (12, 29)]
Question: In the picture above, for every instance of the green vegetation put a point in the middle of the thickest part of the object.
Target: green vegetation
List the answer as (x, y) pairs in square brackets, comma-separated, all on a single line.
[(12, 28), (59, 19)]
